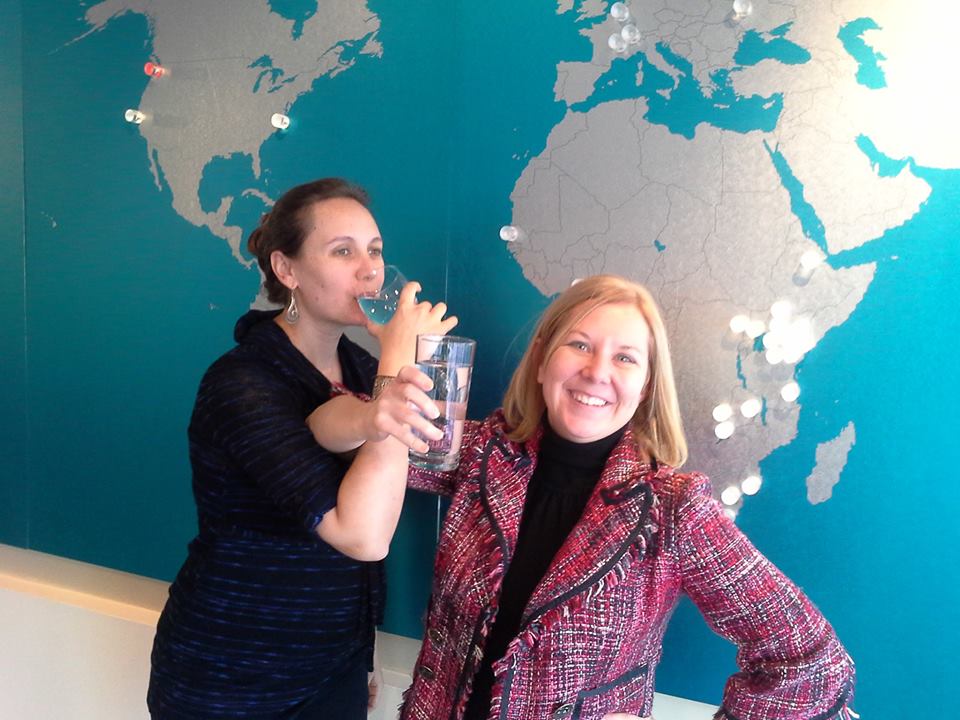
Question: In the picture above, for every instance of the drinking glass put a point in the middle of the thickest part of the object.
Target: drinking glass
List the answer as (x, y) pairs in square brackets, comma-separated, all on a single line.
[(381, 305), (448, 361)]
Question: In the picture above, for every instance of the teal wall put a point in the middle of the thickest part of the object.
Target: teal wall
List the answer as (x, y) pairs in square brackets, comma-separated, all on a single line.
[(14, 490), (131, 303), (112, 305), (119, 322)]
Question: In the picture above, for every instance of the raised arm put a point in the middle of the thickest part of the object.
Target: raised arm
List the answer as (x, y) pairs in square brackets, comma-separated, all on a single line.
[(792, 666), (249, 418), (370, 497), (344, 423)]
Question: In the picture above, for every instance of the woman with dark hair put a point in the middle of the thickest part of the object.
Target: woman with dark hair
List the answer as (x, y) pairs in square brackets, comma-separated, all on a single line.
[(571, 536), (272, 615)]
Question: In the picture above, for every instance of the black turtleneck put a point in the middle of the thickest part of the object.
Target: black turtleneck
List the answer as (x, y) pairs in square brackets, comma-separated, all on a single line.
[(564, 478)]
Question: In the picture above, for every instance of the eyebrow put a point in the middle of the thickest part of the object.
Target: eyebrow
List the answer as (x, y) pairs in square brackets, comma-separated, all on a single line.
[(351, 238)]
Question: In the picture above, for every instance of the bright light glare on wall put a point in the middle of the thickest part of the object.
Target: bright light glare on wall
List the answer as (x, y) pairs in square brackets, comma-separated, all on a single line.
[(788, 339), (916, 114), (133, 116)]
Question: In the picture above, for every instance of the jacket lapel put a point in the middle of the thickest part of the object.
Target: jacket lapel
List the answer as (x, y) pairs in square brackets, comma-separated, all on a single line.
[(617, 513), (505, 471)]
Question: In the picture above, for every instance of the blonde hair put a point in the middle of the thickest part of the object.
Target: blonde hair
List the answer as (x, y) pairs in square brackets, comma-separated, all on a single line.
[(657, 425)]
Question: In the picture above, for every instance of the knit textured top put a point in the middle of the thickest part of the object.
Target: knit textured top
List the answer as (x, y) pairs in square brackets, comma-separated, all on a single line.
[(263, 612)]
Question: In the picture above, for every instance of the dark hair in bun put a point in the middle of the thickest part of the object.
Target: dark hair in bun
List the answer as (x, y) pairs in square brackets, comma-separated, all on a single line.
[(284, 227)]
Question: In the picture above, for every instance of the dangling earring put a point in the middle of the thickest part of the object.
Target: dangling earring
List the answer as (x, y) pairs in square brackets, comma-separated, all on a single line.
[(293, 312)]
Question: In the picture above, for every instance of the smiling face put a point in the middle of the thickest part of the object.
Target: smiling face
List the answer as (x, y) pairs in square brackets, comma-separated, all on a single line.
[(595, 379), (341, 258)]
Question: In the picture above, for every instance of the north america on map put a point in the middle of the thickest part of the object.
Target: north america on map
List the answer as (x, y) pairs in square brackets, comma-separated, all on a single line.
[(217, 103)]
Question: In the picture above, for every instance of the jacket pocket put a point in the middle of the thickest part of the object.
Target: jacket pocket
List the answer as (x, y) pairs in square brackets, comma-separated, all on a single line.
[(627, 693)]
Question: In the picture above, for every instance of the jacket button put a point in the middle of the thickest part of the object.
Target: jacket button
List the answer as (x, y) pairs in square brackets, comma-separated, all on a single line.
[(564, 711), (435, 636), (426, 673)]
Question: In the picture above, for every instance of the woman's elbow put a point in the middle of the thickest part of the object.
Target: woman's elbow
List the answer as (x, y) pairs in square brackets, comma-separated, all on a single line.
[(369, 551), (365, 547)]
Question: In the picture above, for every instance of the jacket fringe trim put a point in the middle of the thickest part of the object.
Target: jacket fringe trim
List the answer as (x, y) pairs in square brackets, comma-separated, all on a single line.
[(844, 713)]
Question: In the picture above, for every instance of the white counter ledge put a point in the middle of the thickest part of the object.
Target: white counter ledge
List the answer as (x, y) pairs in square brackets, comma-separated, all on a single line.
[(75, 643)]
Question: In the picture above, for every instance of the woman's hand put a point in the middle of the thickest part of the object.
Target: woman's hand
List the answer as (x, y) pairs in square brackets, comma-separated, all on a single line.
[(398, 338), (403, 407)]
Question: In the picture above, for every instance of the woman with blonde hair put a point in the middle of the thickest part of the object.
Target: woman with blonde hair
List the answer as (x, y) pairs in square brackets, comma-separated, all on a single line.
[(571, 536), (656, 422)]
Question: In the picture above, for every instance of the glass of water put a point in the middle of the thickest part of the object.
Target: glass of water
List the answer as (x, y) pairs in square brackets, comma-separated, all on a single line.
[(448, 360), (381, 305)]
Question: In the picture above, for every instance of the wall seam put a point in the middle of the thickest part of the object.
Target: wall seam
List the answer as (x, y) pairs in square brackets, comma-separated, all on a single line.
[(27, 482)]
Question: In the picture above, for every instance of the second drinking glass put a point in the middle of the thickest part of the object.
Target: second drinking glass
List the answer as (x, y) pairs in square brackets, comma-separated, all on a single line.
[(448, 360)]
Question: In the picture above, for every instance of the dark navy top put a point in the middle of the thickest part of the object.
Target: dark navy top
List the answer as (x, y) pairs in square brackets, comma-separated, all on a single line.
[(263, 612)]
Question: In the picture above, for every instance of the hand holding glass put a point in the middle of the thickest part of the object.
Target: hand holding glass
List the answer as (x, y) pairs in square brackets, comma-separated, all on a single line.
[(448, 361), (380, 306)]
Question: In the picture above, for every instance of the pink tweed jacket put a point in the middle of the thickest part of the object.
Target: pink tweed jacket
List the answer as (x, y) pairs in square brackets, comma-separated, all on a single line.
[(591, 635)]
